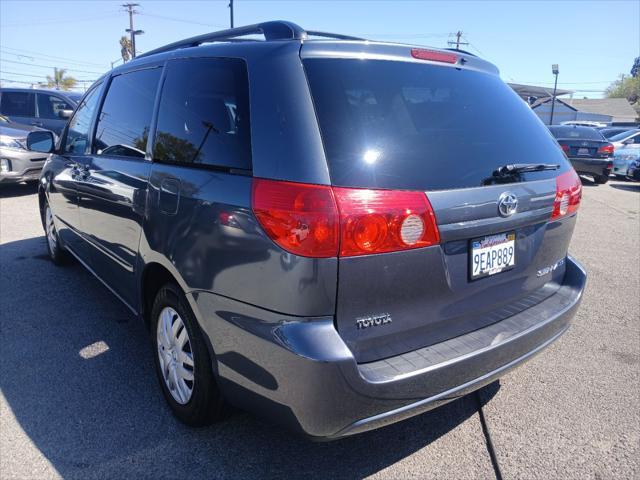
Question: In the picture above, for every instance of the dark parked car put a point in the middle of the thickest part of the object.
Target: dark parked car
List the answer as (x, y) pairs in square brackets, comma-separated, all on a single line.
[(334, 234), (589, 152), (17, 164), (49, 109)]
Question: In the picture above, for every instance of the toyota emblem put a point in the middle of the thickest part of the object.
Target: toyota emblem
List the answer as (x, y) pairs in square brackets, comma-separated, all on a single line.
[(507, 204)]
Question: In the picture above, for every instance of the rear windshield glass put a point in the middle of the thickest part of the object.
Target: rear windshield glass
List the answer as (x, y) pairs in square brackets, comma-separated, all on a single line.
[(583, 133), (402, 125)]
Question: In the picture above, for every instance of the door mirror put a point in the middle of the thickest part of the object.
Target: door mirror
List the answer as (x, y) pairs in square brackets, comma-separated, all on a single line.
[(40, 141), (65, 113)]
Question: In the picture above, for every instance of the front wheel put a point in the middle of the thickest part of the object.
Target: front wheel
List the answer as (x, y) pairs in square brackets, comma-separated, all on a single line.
[(182, 360), (601, 179)]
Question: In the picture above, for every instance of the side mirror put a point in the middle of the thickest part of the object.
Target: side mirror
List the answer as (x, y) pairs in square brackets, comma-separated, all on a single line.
[(40, 141), (65, 113)]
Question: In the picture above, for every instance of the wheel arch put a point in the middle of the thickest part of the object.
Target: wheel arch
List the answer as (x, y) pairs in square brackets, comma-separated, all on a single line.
[(153, 277)]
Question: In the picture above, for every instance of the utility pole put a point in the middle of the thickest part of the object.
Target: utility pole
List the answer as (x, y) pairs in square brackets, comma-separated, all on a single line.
[(231, 12), (457, 43), (555, 70), (132, 32)]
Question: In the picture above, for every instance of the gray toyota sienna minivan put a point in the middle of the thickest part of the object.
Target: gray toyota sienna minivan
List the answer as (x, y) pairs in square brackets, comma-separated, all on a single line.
[(335, 234)]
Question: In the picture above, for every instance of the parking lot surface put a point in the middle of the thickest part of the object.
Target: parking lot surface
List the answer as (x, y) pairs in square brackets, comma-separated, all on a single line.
[(78, 397)]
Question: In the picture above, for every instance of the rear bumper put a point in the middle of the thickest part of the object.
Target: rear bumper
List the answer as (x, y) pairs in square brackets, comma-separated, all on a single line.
[(592, 166), (299, 372)]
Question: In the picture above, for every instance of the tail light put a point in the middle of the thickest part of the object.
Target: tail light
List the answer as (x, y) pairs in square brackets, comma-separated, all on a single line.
[(321, 221), (565, 148), (302, 219), (606, 149), (378, 221), (568, 194)]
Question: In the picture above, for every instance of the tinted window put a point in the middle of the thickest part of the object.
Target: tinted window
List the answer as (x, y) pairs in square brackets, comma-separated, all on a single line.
[(20, 104), (78, 131), (610, 132), (204, 114), (582, 133), (407, 125), (623, 136), (50, 106), (123, 123)]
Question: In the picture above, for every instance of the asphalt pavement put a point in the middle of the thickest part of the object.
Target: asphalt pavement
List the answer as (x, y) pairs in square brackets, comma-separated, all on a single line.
[(78, 397)]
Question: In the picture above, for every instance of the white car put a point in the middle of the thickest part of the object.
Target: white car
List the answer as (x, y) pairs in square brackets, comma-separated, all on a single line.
[(585, 123), (622, 159), (630, 137)]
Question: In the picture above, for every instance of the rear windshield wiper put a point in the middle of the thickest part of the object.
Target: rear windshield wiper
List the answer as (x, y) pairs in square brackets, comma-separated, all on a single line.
[(515, 168)]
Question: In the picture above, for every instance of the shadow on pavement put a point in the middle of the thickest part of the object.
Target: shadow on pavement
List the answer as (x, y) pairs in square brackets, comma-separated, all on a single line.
[(629, 187), (76, 371), (18, 189)]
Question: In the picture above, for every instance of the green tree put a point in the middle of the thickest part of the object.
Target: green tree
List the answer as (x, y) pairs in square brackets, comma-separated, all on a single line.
[(625, 87), (60, 81)]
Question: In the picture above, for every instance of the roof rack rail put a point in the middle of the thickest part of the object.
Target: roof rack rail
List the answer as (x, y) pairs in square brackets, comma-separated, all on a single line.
[(275, 30)]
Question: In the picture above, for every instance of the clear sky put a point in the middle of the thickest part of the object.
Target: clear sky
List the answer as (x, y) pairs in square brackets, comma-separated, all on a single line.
[(592, 41)]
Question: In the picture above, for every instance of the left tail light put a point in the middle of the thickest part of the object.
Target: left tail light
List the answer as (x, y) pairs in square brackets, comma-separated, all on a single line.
[(568, 194)]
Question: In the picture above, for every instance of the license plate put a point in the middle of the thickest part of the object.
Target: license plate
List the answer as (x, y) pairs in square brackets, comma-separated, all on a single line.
[(492, 254), (583, 151)]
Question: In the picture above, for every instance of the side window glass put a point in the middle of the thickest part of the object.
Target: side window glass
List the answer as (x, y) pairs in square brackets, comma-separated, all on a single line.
[(123, 123), (19, 104), (78, 131), (50, 106), (204, 114)]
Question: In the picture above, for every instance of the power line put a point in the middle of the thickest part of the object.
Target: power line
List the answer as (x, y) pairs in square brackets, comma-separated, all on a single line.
[(49, 66), (45, 56), (181, 20), (62, 20), (39, 76)]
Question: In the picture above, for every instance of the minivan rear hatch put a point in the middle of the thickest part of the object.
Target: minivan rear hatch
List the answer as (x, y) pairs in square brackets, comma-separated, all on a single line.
[(442, 124)]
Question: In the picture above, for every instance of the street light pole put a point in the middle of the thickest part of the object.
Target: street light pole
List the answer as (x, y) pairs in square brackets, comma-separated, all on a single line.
[(555, 70), (231, 12)]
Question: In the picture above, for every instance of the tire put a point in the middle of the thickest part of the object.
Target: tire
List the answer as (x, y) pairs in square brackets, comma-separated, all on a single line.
[(196, 402), (57, 253), (621, 177), (601, 179)]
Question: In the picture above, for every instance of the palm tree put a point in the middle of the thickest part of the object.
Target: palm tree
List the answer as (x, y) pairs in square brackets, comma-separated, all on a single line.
[(60, 81), (125, 48)]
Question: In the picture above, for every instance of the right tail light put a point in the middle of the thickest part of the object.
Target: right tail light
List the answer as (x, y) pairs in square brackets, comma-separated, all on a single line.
[(568, 194)]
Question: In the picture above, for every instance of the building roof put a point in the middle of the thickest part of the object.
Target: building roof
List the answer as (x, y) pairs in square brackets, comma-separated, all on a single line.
[(618, 108), (533, 91)]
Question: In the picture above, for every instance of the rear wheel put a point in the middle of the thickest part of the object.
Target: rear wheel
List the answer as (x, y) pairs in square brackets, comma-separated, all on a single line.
[(601, 179), (57, 253), (182, 360)]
